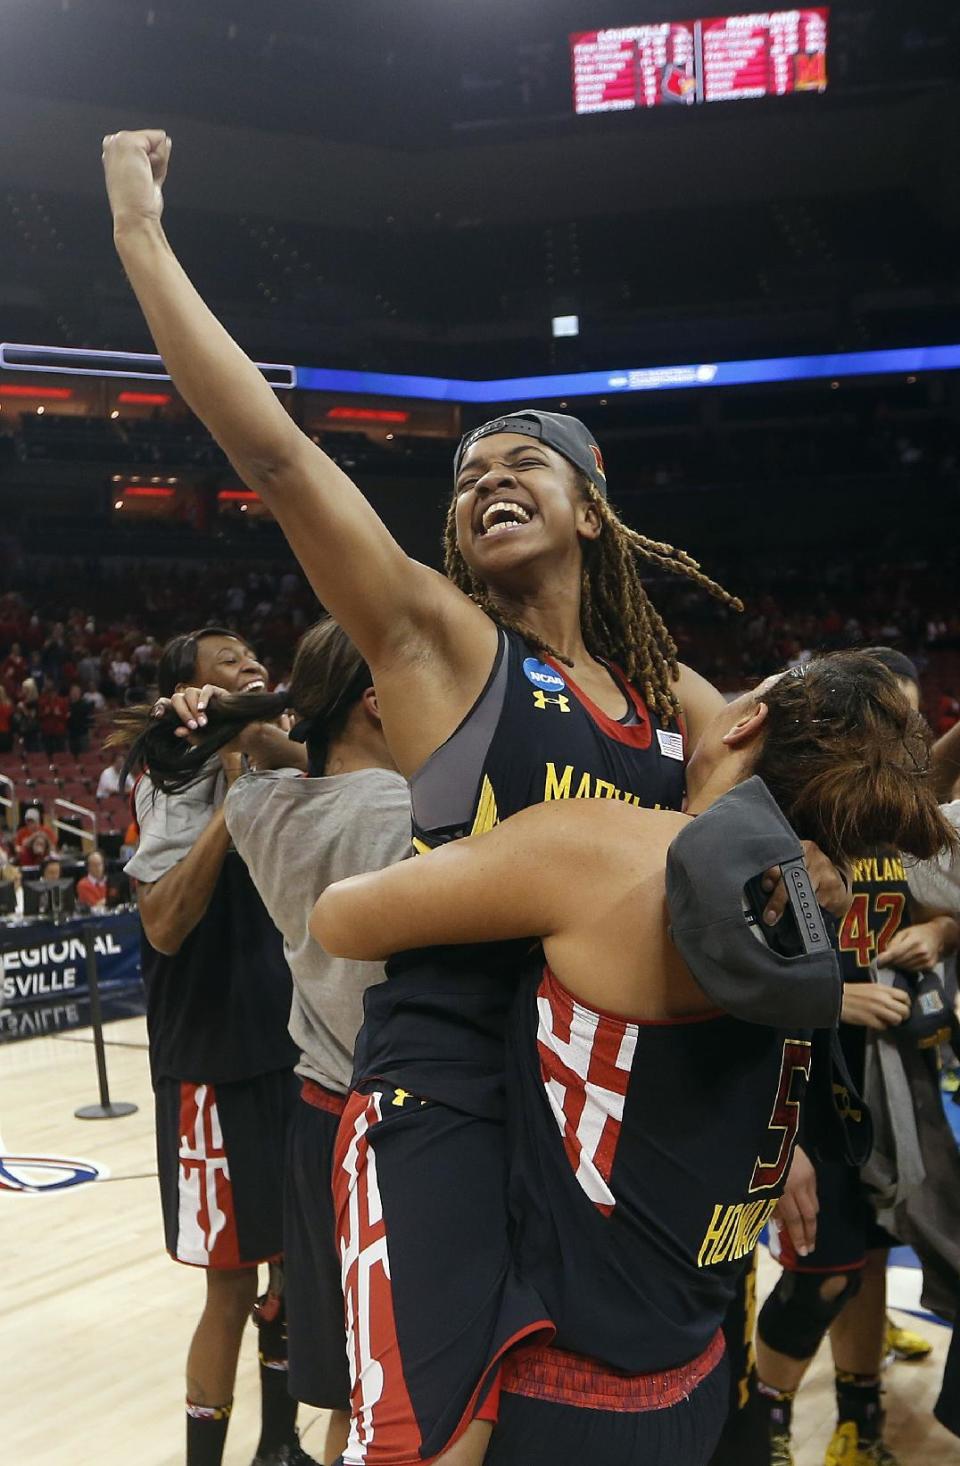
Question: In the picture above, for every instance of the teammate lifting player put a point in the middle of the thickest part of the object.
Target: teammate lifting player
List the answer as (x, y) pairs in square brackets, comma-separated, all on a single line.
[(637, 1114), (495, 685)]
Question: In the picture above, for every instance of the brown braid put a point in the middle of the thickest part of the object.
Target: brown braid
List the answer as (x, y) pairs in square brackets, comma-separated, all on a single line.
[(618, 619)]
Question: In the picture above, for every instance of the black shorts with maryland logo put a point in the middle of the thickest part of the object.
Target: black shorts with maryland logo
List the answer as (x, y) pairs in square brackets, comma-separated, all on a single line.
[(431, 1300), (220, 1160)]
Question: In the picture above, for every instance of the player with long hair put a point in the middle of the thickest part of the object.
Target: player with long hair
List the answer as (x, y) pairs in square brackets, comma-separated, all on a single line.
[(221, 1060), (295, 835)]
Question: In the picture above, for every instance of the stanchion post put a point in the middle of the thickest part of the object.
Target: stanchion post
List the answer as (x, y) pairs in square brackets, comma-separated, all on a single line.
[(107, 1109)]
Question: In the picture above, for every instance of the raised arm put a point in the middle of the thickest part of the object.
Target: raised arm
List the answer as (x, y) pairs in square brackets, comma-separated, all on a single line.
[(392, 607)]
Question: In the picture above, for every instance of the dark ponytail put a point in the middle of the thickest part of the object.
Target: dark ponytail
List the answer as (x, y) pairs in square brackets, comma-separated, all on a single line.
[(329, 676)]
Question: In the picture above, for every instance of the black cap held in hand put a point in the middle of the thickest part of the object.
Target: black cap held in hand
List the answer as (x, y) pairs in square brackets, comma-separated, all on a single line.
[(567, 435)]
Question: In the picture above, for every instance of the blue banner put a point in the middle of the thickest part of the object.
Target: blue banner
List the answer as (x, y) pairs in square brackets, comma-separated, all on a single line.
[(907, 360), (40, 961)]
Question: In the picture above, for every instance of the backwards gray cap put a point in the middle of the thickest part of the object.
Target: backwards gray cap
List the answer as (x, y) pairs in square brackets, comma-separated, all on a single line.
[(710, 866), (567, 435), (714, 868)]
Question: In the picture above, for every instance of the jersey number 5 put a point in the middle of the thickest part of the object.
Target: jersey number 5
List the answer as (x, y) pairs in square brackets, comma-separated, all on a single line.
[(785, 1119)]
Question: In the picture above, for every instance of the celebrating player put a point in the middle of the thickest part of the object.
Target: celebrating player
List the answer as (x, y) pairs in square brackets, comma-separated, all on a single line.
[(537, 669), (221, 1060), (296, 835), (641, 1167)]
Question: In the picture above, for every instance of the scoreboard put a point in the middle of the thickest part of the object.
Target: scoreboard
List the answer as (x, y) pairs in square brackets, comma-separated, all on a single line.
[(767, 53)]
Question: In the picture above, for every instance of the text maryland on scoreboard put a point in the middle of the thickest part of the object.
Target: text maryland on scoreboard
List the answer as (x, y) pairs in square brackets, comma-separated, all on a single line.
[(722, 59)]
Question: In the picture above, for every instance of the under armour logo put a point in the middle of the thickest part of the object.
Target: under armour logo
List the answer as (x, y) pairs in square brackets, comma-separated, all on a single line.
[(540, 700), (841, 1100)]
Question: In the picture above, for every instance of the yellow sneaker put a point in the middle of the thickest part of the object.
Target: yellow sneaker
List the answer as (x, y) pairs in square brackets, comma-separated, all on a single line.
[(904, 1344), (780, 1452), (846, 1449)]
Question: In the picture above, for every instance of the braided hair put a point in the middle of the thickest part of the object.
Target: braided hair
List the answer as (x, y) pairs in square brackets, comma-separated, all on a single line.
[(618, 620)]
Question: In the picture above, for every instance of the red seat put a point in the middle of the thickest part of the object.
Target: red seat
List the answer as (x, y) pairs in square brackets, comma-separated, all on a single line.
[(46, 793), (78, 793)]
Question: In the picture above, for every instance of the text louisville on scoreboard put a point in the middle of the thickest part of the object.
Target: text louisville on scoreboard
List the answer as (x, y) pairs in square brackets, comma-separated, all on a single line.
[(682, 62)]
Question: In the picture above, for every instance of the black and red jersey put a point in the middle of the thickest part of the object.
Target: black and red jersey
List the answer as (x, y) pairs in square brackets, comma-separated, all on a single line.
[(217, 1011), (645, 1160), (437, 1025), (880, 907)]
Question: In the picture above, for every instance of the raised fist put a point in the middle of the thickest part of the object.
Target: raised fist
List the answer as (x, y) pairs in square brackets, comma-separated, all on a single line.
[(135, 166)]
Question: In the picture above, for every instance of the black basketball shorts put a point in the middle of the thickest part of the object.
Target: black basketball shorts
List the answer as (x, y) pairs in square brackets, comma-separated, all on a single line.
[(432, 1302), (316, 1337), (220, 1160), (568, 1410)]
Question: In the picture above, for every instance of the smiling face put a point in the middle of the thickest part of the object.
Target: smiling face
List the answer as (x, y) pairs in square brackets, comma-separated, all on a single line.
[(224, 661), (518, 501)]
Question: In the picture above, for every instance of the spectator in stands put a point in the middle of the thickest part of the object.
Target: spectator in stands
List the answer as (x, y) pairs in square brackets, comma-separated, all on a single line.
[(6, 720), (31, 826), (131, 839), (37, 850), (26, 717), (109, 782), (14, 669), (88, 669), (51, 869), (121, 670), (53, 709), (92, 888), (13, 873), (79, 718), (53, 655), (948, 712), (146, 656)]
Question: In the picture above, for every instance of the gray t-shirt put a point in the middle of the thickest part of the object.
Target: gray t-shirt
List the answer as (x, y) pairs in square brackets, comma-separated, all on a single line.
[(297, 836), (936, 883), (170, 825)]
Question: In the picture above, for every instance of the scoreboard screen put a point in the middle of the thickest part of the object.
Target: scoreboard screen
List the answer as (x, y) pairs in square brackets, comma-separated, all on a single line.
[(767, 53)]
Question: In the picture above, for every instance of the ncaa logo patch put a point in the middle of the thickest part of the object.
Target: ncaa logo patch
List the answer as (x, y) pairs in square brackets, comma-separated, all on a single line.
[(36, 1175), (544, 678)]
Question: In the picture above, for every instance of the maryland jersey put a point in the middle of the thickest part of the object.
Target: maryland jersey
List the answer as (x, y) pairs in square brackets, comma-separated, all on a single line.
[(217, 1010), (437, 1025), (533, 736), (880, 907), (645, 1160), (878, 910)]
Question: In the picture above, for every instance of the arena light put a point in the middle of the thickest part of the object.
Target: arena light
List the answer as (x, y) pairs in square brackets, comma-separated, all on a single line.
[(142, 491), (238, 496), (565, 325), (902, 361), (39, 394), (72, 361), (367, 414), (144, 399)]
